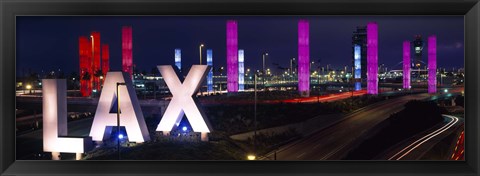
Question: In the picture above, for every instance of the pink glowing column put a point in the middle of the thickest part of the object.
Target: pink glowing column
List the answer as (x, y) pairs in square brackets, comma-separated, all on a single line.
[(303, 58), (432, 64), (127, 50), (372, 58), (232, 56), (406, 64)]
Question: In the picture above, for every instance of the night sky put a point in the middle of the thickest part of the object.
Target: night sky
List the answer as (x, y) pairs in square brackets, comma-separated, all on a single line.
[(51, 43)]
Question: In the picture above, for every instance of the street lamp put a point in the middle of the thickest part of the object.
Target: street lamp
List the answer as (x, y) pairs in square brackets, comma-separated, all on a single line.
[(93, 58), (291, 65), (29, 88), (264, 54), (118, 118), (255, 116), (200, 48), (318, 83), (353, 84)]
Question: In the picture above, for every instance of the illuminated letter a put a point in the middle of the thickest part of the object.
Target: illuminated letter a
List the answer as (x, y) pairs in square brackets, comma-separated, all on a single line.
[(131, 116)]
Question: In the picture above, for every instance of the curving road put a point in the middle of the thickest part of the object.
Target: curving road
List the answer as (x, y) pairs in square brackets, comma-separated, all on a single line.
[(416, 147), (335, 141)]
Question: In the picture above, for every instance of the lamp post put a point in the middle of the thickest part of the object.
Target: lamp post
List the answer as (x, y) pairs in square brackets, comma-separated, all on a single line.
[(264, 73), (353, 84), (255, 116), (29, 88), (291, 65), (118, 119), (318, 81), (219, 82), (154, 90), (93, 58), (200, 48), (101, 80)]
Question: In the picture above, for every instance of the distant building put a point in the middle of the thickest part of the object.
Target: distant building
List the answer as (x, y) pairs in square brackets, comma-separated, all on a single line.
[(418, 49)]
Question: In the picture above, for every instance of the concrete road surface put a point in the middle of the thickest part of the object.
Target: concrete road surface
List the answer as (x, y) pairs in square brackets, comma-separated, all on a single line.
[(337, 140)]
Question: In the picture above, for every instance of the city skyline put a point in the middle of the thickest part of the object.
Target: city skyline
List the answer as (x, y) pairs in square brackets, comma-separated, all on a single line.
[(156, 37)]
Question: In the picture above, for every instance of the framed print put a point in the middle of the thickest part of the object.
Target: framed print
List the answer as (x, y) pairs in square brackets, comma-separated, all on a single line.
[(254, 87)]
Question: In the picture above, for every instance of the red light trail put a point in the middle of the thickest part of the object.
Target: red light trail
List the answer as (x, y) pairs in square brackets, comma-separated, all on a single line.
[(458, 153)]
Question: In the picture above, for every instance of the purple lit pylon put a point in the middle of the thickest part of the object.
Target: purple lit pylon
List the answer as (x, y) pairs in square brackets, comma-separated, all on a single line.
[(303, 58), (232, 56), (432, 64), (372, 58), (406, 65)]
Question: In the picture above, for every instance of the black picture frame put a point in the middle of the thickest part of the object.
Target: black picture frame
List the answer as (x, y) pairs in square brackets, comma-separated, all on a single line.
[(9, 9)]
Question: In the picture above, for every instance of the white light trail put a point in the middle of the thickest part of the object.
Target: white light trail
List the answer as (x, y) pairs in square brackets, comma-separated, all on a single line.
[(425, 138)]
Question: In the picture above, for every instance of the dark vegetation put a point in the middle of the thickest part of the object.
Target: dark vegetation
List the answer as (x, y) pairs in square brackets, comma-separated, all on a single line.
[(417, 116), (170, 150), (267, 142), (234, 119)]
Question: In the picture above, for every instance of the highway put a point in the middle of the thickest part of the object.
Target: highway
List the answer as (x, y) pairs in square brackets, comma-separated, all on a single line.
[(311, 99), (416, 147), (333, 142), (323, 98)]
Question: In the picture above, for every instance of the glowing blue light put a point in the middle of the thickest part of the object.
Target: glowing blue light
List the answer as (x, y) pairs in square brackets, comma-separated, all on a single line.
[(358, 86), (178, 58), (210, 73), (358, 67), (120, 136), (241, 70), (446, 90), (184, 128)]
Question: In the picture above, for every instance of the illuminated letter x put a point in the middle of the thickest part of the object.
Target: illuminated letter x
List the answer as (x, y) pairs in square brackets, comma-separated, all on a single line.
[(182, 100)]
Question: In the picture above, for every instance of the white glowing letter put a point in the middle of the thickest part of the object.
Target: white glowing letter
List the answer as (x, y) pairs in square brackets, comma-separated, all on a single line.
[(182, 100), (55, 120), (131, 116)]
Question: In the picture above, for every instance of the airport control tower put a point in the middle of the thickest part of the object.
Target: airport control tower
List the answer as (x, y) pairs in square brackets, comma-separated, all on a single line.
[(418, 48)]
